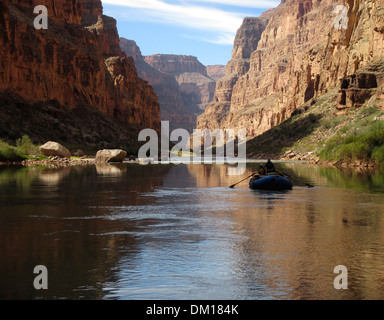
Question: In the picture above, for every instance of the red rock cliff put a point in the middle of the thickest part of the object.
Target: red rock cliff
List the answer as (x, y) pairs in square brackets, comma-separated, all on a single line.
[(176, 64), (216, 72), (300, 55), (195, 86), (246, 41), (77, 61), (172, 108)]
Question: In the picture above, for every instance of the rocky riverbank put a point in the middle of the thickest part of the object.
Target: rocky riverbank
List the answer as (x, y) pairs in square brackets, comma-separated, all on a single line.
[(53, 154), (59, 162), (311, 159), (51, 162)]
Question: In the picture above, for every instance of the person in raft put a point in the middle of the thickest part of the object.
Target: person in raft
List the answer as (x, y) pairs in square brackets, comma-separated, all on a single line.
[(270, 167)]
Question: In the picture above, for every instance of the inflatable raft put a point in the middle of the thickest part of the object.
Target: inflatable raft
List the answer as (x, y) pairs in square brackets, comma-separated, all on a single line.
[(271, 182)]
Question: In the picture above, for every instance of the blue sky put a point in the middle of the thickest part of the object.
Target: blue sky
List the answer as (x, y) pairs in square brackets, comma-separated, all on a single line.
[(201, 28)]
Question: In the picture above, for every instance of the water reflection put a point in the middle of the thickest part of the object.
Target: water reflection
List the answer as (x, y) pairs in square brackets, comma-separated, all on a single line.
[(361, 179), (180, 232), (116, 169), (49, 221), (54, 176)]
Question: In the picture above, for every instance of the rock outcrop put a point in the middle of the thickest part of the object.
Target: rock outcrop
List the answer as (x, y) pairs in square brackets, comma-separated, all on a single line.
[(195, 86), (356, 89), (54, 149), (110, 156), (166, 87), (246, 41), (76, 62), (292, 54), (181, 83), (176, 64), (216, 72)]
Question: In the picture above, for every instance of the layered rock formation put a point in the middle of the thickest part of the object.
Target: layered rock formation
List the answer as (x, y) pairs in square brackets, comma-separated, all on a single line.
[(216, 72), (292, 54), (165, 86), (356, 89), (76, 62), (181, 83), (246, 41), (176, 64), (195, 86)]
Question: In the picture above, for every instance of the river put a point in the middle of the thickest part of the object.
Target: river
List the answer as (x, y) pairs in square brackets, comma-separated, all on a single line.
[(175, 232)]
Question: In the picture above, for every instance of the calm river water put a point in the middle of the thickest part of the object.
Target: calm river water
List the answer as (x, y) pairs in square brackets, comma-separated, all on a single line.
[(178, 232)]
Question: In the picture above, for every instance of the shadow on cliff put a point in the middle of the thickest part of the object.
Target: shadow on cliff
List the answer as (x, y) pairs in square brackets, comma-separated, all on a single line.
[(82, 127), (284, 135)]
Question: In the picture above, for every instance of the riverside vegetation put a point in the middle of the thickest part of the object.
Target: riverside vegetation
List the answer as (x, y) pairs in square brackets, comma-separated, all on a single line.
[(319, 131), (23, 150)]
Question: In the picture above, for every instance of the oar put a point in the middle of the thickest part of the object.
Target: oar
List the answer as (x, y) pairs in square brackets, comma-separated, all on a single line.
[(301, 181), (242, 180)]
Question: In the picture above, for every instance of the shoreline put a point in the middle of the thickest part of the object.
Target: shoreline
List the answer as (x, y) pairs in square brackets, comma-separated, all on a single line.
[(65, 162), (311, 159), (50, 161)]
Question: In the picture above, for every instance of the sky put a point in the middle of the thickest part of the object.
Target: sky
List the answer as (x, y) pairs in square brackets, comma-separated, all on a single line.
[(202, 28)]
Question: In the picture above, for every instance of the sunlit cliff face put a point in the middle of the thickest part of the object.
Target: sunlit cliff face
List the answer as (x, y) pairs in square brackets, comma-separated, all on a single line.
[(299, 55)]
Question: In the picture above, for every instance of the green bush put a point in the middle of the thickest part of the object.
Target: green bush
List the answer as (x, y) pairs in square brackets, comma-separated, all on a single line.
[(9, 153), (26, 146), (367, 145), (23, 148), (378, 154), (331, 123), (369, 111)]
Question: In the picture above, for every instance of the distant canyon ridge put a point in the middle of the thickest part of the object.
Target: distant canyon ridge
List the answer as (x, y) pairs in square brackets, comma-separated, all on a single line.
[(184, 86)]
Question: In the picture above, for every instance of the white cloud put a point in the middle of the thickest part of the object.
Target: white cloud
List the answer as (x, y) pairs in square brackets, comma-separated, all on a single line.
[(224, 39), (220, 39), (262, 4), (191, 16), (186, 13)]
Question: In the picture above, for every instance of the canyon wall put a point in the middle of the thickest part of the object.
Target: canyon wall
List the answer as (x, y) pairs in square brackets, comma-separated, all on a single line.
[(216, 72), (181, 82), (166, 87), (290, 55), (176, 64), (76, 62), (195, 86), (246, 41)]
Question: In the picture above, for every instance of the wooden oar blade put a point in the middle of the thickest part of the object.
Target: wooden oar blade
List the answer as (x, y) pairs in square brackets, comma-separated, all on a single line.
[(234, 185)]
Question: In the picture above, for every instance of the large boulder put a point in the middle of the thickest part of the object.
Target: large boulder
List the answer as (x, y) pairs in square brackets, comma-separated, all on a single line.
[(54, 149), (108, 156)]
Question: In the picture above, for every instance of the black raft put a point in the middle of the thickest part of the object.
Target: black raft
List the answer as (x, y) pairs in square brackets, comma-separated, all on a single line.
[(271, 182)]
